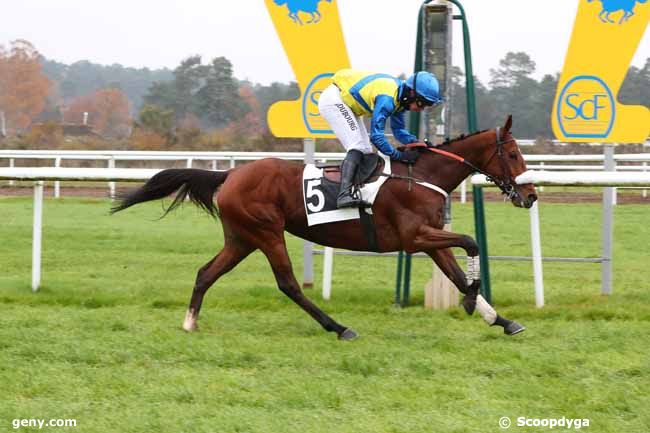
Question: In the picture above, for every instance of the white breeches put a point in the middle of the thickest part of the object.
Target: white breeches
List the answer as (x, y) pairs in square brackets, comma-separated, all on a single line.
[(349, 129)]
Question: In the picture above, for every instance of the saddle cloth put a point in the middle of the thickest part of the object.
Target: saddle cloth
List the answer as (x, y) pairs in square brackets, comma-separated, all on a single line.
[(320, 193)]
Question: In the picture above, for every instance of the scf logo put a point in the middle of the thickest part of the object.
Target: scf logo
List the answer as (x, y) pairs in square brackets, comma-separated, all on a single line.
[(310, 114), (586, 108)]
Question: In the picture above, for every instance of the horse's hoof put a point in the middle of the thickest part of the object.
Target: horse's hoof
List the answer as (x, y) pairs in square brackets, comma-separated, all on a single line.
[(469, 304), (189, 328), (513, 328), (348, 335)]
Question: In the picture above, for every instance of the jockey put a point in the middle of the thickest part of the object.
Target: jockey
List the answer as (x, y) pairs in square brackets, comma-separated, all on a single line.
[(354, 94)]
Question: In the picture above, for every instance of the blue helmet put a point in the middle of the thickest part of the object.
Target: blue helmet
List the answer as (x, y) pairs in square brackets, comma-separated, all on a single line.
[(426, 88)]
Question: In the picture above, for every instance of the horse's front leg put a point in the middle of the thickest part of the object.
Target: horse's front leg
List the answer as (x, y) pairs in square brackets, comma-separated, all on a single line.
[(437, 243)]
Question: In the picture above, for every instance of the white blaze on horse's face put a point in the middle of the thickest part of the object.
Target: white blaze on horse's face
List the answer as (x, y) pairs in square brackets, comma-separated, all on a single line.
[(526, 194)]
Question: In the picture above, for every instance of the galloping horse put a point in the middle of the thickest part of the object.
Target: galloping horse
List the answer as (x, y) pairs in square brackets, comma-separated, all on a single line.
[(297, 6), (257, 202), (609, 6)]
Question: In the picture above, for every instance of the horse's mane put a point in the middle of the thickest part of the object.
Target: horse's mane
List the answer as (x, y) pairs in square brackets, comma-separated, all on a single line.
[(448, 141)]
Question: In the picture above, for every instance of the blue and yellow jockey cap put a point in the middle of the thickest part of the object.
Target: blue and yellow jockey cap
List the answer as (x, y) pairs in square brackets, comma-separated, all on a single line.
[(426, 87)]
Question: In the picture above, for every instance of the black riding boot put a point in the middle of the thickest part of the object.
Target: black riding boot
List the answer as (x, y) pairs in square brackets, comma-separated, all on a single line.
[(348, 173)]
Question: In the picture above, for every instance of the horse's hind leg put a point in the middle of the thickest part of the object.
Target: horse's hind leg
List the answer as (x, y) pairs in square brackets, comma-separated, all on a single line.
[(276, 253), (231, 254)]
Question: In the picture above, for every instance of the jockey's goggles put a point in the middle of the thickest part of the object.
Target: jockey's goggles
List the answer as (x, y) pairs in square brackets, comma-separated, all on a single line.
[(422, 102)]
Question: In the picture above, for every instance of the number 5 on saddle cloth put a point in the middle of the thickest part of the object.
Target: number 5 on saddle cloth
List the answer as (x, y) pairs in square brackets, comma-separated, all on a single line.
[(321, 187)]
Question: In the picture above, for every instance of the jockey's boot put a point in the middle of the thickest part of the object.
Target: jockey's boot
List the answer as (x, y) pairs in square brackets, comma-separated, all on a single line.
[(348, 197)]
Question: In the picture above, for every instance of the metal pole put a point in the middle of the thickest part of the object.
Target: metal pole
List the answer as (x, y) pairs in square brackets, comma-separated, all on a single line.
[(328, 265), (535, 240), (608, 223), (309, 147), (472, 125), (37, 232), (398, 282)]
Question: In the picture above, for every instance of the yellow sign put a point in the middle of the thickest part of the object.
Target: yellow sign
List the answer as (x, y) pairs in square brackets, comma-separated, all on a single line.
[(605, 36), (312, 37)]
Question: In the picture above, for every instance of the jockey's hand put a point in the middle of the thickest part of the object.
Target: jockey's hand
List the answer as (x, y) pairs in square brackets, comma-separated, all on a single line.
[(409, 156), (428, 143)]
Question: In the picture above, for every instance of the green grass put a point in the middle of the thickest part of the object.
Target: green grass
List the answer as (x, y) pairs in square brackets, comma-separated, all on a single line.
[(101, 342)]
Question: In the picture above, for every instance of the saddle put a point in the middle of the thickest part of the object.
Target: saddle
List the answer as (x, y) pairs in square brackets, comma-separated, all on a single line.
[(369, 167)]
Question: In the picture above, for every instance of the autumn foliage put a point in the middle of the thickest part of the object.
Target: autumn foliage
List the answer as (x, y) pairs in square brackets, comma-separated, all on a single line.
[(23, 86), (108, 112)]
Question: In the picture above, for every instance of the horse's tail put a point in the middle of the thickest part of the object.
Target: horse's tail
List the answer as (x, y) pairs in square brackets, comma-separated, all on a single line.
[(198, 185)]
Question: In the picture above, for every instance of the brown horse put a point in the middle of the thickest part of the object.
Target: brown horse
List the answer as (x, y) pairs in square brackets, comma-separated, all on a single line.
[(257, 202)]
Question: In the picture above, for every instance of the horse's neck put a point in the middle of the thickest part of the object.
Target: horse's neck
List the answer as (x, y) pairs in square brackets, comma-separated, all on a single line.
[(451, 173)]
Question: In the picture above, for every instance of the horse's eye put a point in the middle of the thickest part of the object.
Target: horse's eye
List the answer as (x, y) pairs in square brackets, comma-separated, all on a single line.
[(513, 155)]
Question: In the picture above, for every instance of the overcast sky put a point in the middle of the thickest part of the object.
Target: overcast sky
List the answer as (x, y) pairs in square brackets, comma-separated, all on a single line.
[(380, 34)]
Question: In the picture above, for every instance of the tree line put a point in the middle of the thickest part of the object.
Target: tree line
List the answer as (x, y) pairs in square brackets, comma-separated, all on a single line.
[(202, 105)]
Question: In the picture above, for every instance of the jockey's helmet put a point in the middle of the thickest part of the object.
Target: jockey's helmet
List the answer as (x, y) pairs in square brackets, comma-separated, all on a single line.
[(426, 87)]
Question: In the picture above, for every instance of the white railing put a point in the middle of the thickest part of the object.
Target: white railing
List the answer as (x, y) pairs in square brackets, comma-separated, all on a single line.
[(607, 179), (577, 179), (77, 174), (111, 157)]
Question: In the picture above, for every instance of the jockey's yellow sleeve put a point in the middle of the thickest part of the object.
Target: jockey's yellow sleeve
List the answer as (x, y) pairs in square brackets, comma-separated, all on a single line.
[(367, 93)]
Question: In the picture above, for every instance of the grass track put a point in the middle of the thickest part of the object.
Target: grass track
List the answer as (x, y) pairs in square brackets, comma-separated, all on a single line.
[(102, 343)]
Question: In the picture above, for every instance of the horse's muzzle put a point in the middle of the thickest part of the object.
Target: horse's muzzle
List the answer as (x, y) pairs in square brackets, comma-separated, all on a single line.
[(522, 200)]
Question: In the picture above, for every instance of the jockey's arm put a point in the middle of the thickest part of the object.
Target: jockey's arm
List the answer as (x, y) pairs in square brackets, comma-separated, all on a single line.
[(399, 129), (384, 108)]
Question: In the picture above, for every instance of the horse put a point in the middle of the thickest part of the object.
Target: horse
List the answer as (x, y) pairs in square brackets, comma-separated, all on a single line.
[(307, 6), (259, 201), (609, 6)]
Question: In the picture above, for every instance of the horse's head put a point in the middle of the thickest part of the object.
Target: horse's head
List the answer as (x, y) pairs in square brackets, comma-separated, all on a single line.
[(505, 164)]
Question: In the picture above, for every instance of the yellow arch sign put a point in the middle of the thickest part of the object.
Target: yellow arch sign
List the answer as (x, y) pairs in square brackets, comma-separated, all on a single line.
[(312, 37), (605, 37)]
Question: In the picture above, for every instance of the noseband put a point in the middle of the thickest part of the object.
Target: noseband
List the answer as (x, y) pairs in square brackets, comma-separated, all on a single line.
[(505, 183)]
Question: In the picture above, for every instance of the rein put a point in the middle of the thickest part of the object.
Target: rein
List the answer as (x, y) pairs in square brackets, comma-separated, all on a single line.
[(504, 183)]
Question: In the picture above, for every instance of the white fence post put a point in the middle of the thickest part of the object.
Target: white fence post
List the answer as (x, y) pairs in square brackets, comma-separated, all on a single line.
[(536, 242), (609, 195), (644, 192), (11, 165), (463, 191), (57, 183), (328, 265), (37, 233), (309, 148), (111, 185)]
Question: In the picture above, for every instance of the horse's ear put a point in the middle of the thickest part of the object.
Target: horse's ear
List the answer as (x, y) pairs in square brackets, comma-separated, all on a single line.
[(508, 125)]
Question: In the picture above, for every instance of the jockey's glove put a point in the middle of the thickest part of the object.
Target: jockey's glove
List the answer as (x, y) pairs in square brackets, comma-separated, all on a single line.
[(408, 156)]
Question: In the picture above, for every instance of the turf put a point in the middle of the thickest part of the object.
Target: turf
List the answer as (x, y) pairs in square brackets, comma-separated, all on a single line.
[(102, 343)]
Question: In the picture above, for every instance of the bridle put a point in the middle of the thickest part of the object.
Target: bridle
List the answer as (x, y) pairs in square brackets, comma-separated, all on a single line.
[(505, 183)]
